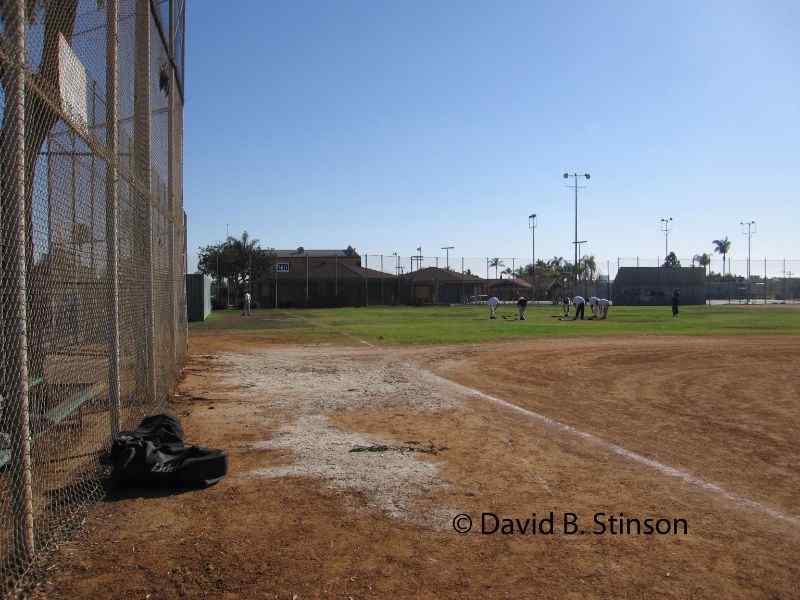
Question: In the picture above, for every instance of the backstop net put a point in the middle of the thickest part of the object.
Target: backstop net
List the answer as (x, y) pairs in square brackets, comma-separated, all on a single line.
[(92, 248)]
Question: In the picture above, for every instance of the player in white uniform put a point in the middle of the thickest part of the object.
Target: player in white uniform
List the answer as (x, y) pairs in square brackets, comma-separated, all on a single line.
[(493, 302), (246, 304), (593, 305), (579, 302), (602, 308)]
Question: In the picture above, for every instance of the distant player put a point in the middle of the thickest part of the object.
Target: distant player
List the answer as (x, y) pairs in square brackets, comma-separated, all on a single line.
[(522, 306), (246, 304), (602, 308), (676, 300), (580, 303), (565, 302), (493, 302), (593, 306)]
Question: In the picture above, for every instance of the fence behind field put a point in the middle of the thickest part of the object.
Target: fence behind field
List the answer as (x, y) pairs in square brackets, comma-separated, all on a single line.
[(380, 279), (93, 252)]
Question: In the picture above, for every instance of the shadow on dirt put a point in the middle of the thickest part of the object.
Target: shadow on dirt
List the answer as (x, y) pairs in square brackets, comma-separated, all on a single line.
[(115, 493)]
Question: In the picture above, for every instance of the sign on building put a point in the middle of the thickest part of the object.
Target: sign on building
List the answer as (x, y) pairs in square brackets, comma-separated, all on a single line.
[(72, 82)]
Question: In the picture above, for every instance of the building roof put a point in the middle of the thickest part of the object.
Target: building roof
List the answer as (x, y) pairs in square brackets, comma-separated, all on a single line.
[(515, 283), (314, 253), (430, 274), (329, 268), (368, 273)]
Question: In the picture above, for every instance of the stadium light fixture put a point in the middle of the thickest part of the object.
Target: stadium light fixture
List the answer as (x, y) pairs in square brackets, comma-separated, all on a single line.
[(749, 233), (666, 227), (575, 186), (532, 226)]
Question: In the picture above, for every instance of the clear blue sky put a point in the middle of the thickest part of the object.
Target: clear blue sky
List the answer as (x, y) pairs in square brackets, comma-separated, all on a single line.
[(386, 125)]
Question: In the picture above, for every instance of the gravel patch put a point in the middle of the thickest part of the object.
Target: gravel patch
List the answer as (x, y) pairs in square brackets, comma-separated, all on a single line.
[(390, 481), (307, 383), (314, 381)]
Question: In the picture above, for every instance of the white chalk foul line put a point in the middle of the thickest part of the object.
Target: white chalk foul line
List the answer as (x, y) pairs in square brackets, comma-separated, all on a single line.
[(662, 468), (326, 326)]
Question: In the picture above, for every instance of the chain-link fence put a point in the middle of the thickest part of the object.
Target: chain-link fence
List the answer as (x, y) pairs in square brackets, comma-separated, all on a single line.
[(93, 247), (397, 279)]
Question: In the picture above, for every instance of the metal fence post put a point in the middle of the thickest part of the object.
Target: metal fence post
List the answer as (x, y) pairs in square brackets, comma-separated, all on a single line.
[(112, 218), (173, 283), (15, 392), (143, 172), (785, 282)]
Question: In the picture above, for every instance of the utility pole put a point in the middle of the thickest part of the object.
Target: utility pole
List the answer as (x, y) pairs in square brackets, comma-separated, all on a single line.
[(666, 227), (575, 186), (532, 227), (749, 233), (447, 250)]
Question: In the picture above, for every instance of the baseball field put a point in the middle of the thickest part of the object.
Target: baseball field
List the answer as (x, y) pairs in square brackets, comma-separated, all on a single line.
[(390, 452)]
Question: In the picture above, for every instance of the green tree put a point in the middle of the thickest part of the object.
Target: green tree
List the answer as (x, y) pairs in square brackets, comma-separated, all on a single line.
[(722, 247), (240, 260), (704, 260), (671, 262), (587, 268)]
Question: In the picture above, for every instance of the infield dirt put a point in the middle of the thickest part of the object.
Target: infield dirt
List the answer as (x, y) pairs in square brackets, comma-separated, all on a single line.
[(303, 516)]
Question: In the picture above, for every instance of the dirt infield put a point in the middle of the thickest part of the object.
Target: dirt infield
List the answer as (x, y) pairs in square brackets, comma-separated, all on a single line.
[(349, 464)]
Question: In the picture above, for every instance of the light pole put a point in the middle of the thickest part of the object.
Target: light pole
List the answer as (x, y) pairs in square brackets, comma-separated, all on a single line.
[(578, 246), (227, 281), (418, 258), (397, 263), (447, 250), (575, 186), (532, 227), (666, 227), (749, 233)]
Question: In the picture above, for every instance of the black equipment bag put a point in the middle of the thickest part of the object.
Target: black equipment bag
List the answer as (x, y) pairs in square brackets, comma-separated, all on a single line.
[(154, 455)]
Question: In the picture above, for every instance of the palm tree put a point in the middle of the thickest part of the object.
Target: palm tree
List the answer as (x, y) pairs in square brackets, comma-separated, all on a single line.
[(722, 246), (555, 264), (588, 267), (704, 260), (496, 263), (508, 271)]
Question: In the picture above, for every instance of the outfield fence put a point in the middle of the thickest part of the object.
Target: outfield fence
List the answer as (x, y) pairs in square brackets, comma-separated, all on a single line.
[(727, 281), (92, 249)]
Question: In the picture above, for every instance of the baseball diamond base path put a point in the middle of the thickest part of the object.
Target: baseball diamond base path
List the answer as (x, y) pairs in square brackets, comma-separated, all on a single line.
[(348, 465)]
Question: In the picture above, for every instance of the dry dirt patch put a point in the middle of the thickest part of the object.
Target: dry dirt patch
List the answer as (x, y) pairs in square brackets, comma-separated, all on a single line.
[(302, 516)]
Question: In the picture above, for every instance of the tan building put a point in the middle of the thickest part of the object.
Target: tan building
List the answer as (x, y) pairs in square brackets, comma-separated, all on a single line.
[(433, 285), (320, 278)]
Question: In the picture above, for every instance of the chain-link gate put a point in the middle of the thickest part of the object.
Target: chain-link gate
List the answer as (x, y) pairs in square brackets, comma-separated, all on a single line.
[(93, 247)]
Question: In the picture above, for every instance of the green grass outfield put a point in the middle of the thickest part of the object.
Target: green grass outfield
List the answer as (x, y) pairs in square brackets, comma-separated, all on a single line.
[(470, 324)]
